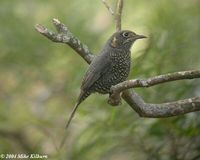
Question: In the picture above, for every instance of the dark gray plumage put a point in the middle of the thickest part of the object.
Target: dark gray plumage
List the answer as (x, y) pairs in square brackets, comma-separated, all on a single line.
[(109, 68)]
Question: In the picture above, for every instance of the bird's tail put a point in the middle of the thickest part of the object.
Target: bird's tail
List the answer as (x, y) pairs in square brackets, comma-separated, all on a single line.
[(68, 123), (72, 115), (83, 95)]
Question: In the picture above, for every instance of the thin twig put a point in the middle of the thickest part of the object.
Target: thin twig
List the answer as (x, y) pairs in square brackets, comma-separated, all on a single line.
[(108, 7), (118, 14)]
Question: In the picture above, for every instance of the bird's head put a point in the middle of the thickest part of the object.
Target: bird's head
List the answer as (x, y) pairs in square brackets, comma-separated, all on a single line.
[(124, 39)]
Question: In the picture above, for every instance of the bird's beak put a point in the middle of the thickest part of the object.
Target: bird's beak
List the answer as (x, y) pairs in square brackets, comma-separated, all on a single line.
[(134, 37), (140, 37)]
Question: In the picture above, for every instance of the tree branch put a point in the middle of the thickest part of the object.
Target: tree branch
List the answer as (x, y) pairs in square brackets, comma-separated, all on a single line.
[(108, 7), (135, 83), (160, 110), (134, 100), (118, 14), (65, 36)]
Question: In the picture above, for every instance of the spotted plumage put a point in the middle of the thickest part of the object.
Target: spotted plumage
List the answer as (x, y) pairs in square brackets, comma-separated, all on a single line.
[(108, 68)]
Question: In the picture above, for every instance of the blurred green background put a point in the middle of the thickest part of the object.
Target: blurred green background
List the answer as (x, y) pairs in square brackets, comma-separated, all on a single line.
[(40, 80)]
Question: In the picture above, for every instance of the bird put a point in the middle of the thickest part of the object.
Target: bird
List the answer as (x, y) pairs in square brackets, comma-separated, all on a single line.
[(110, 67)]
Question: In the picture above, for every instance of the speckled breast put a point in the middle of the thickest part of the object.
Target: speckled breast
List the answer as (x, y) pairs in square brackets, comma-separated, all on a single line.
[(117, 73)]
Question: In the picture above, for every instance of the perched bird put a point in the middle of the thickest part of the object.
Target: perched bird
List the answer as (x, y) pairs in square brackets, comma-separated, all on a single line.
[(108, 68)]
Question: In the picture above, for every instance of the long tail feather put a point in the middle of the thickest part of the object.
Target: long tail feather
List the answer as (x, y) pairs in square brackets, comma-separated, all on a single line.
[(72, 115), (83, 95), (68, 123)]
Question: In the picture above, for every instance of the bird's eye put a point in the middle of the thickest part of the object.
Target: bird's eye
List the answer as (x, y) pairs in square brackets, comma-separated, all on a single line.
[(125, 34)]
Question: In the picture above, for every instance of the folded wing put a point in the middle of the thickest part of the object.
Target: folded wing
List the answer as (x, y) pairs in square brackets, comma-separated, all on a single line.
[(99, 66)]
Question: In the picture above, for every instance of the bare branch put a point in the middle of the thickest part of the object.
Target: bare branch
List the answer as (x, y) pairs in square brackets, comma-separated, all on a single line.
[(65, 36), (118, 14), (135, 83), (161, 110), (108, 7)]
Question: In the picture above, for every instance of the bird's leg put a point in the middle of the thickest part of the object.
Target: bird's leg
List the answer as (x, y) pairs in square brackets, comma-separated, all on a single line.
[(114, 101)]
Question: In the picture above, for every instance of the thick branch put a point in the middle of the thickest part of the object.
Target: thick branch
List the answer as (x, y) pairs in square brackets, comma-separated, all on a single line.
[(161, 110), (117, 89), (118, 14)]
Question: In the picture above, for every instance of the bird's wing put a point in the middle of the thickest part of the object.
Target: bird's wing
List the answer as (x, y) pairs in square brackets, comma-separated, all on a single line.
[(99, 66)]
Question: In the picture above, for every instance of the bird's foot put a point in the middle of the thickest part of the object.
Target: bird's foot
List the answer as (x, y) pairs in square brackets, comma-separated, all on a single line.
[(114, 101)]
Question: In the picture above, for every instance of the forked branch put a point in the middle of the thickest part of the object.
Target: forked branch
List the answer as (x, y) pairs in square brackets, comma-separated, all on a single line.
[(65, 36)]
